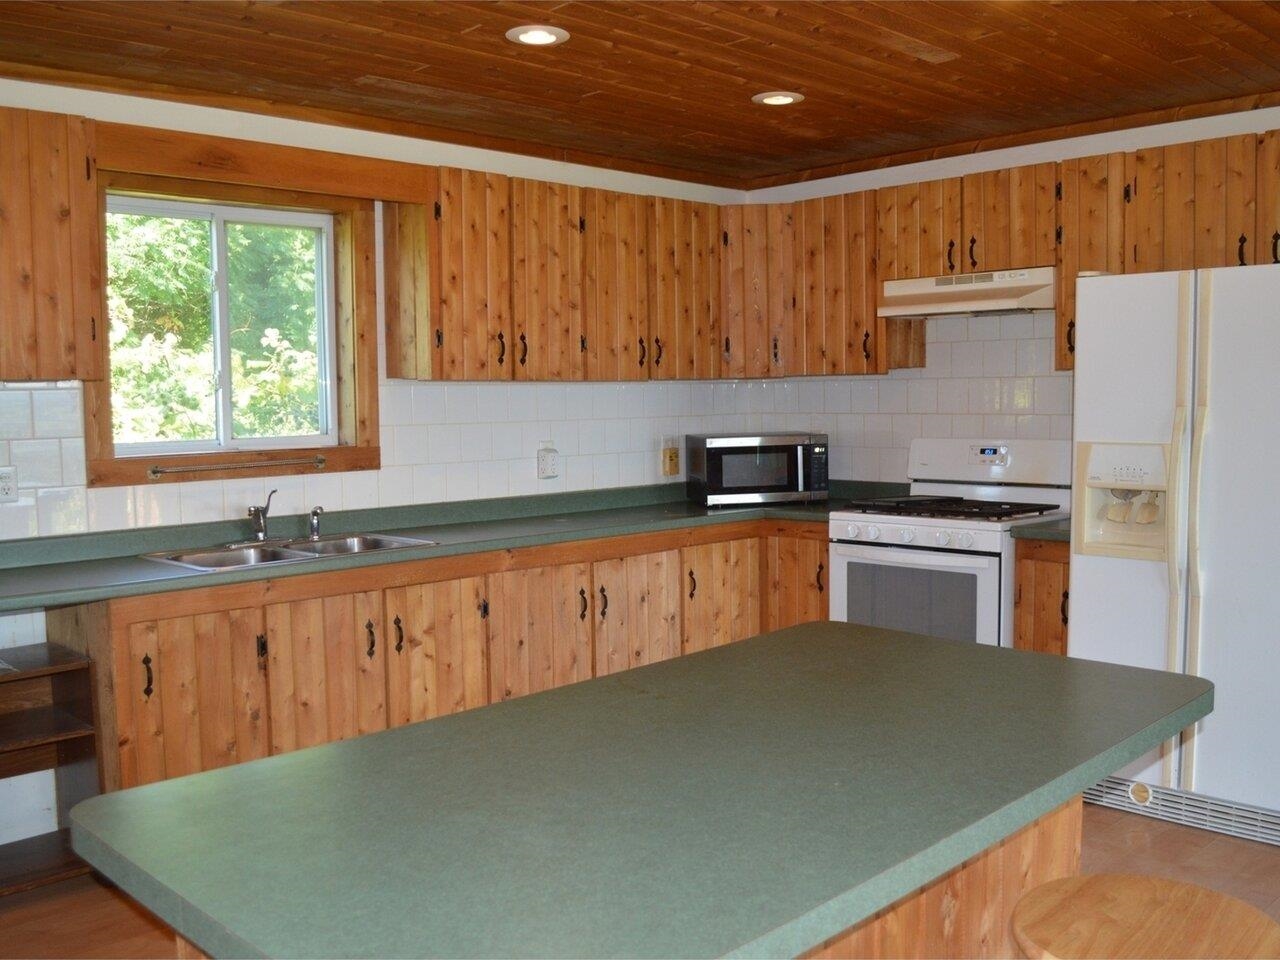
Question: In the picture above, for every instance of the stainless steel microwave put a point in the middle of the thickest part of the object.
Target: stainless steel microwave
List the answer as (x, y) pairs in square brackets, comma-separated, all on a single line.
[(738, 468)]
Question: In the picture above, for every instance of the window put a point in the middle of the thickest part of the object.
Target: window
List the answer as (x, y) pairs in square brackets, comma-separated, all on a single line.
[(222, 327)]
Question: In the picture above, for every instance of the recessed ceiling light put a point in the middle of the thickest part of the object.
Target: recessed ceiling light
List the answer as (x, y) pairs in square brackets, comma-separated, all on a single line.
[(778, 98), (537, 35)]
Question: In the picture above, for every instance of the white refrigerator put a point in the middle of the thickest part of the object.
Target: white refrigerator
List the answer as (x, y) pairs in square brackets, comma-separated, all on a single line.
[(1175, 519)]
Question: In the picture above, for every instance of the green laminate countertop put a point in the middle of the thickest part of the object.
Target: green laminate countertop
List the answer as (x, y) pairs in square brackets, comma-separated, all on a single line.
[(38, 574), (1048, 530), (750, 800)]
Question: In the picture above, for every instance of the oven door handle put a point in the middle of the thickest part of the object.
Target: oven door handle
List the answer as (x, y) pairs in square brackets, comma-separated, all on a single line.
[(923, 559)]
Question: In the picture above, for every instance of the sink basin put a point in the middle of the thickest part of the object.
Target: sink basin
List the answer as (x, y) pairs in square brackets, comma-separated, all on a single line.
[(356, 543), (226, 558)]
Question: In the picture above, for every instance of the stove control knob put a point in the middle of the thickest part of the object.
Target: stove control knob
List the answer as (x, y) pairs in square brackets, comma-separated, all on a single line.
[(908, 535), (853, 530), (943, 538), (873, 533), (966, 540)]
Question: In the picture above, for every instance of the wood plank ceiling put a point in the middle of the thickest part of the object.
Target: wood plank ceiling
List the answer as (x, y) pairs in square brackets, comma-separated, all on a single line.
[(665, 87)]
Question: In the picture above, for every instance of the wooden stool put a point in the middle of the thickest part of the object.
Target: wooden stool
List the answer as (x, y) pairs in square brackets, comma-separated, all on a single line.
[(1126, 915)]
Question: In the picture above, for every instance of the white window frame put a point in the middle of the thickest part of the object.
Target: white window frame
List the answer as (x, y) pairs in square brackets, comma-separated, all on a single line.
[(326, 312)]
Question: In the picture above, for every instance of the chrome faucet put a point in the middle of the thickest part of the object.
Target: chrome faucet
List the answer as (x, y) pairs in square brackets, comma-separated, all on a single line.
[(258, 518), (316, 512)]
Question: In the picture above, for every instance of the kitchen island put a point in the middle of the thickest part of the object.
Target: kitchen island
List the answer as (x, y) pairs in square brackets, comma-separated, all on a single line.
[(760, 798)]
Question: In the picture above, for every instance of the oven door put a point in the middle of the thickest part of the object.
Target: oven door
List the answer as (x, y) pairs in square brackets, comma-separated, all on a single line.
[(755, 474), (940, 594)]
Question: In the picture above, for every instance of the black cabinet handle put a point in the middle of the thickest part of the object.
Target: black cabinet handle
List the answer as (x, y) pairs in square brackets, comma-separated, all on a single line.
[(1071, 336), (693, 584), (582, 343), (1066, 595), (439, 337), (582, 595), (150, 687), (399, 634), (866, 346), (642, 351), (502, 348), (973, 260), (262, 645), (726, 346), (1275, 247), (368, 626), (604, 603), (951, 256), (775, 350), (657, 357), (484, 609), (1240, 249), (821, 588), (524, 350)]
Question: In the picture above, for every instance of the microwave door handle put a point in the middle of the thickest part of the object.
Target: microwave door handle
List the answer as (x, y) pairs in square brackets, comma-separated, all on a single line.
[(800, 467)]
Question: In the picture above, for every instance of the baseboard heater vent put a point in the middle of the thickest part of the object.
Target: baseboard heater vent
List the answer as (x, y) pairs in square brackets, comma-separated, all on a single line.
[(1189, 809)]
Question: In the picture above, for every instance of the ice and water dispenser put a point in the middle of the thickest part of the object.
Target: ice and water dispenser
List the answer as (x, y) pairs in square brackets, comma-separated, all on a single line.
[(1122, 499)]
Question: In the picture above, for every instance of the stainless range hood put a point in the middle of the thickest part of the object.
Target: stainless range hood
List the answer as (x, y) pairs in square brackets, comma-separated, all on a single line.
[(996, 292)]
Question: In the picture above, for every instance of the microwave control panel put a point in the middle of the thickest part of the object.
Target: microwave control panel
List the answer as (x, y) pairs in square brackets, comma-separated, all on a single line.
[(995, 455)]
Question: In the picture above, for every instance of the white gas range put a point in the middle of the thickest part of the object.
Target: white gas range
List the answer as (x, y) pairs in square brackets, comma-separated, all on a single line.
[(940, 560)]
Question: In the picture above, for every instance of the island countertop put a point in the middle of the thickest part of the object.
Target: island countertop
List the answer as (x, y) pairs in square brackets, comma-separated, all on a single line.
[(754, 799)]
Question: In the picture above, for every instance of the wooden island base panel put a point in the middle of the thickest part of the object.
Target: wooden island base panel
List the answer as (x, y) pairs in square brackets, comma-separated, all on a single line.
[(966, 913)]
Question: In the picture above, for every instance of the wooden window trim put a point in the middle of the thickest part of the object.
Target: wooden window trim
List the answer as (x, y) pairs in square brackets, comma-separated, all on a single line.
[(355, 289)]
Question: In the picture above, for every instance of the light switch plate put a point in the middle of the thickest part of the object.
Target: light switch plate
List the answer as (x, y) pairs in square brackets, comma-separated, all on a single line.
[(8, 484)]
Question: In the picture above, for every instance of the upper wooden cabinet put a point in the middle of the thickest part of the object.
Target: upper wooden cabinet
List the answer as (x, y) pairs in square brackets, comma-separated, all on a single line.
[(547, 224), (918, 230), (470, 273), (615, 285), (1267, 247), (684, 293), (53, 323), (744, 286)]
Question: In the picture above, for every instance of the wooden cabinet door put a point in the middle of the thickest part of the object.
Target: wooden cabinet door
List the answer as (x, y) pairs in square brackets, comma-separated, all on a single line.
[(546, 281), (919, 230), (471, 252), (744, 278), (796, 581), (1144, 222), (539, 629), (637, 610), (328, 668), (615, 285), (437, 656), (190, 694), (720, 585), (985, 219), (784, 256), (1090, 235), (838, 289), (1041, 607), (407, 290), (1225, 191), (1033, 215), (52, 325), (684, 290), (1267, 248)]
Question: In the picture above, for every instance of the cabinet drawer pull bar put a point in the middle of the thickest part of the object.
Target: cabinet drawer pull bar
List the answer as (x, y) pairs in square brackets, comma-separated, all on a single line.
[(951, 256), (150, 687), (657, 357), (582, 595), (1240, 249), (368, 626), (604, 603), (524, 350), (399, 634), (821, 588), (1066, 595), (693, 584), (642, 351), (1071, 336), (866, 346), (973, 260), (155, 473), (502, 348)]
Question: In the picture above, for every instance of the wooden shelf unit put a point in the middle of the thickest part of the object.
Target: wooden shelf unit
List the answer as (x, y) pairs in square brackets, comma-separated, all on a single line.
[(46, 722)]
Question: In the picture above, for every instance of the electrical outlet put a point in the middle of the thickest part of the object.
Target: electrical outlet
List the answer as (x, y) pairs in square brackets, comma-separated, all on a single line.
[(548, 463), (8, 484)]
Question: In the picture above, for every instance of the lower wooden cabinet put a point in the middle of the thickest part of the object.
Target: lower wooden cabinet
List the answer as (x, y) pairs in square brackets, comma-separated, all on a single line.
[(796, 581), (539, 629), (721, 586), (190, 694), (202, 678), (437, 650), (637, 610), (1041, 606)]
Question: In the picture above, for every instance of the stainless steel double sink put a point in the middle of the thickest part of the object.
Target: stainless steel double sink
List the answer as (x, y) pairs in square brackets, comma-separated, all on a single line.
[(255, 554)]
